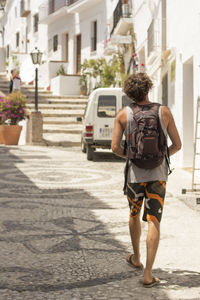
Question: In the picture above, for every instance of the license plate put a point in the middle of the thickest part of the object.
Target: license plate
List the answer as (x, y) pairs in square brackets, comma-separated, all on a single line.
[(106, 132)]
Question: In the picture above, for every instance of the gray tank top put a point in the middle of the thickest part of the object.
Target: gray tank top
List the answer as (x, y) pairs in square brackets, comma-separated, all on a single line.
[(136, 174)]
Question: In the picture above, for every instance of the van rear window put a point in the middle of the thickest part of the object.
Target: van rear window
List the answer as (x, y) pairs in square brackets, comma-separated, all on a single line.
[(126, 100), (106, 106)]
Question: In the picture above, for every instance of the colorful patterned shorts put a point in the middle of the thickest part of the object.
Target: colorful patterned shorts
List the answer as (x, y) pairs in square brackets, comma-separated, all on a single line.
[(154, 194)]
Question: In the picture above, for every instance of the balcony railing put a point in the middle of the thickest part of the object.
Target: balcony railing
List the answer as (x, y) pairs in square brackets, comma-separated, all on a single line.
[(55, 5), (122, 10)]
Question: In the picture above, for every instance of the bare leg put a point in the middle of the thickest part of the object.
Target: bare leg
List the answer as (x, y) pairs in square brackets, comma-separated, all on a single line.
[(135, 233), (152, 242)]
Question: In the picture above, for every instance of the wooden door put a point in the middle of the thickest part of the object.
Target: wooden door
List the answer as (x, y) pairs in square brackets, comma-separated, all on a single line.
[(78, 54), (67, 47)]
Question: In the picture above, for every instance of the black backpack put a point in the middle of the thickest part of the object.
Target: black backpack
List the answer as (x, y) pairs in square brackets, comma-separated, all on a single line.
[(147, 144)]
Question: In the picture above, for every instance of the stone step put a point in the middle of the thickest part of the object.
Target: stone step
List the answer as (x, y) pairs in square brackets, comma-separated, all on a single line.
[(51, 96), (64, 114), (62, 139), (43, 107), (3, 79), (61, 101), (31, 88), (27, 91), (63, 128), (75, 126), (43, 95), (60, 125), (60, 120), (60, 131), (52, 102)]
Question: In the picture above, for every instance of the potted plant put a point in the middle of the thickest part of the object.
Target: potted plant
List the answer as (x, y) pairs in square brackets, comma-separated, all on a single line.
[(84, 78), (12, 111), (61, 71), (83, 84)]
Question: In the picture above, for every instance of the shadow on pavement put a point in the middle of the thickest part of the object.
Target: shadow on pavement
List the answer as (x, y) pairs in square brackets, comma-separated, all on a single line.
[(108, 156), (51, 240), (178, 278)]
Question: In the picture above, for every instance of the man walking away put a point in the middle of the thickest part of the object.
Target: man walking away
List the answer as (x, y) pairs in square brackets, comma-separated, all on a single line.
[(146, 126)]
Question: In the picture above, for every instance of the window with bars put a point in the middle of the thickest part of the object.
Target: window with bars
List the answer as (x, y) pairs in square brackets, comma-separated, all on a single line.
[(35, 22), (94, 36), (55, 43)]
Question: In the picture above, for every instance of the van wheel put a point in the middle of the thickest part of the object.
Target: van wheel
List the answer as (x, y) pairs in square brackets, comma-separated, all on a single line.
[(83, 146), (90, 152)]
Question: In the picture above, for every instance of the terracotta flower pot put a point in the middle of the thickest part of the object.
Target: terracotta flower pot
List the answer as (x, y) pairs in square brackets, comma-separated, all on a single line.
[(10, 134), (1, 137)]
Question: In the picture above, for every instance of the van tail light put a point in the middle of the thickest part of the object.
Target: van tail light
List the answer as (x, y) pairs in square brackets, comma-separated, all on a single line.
[(89, 131)]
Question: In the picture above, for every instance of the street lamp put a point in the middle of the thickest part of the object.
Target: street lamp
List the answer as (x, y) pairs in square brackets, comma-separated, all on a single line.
[(36, 57), (2, 4)]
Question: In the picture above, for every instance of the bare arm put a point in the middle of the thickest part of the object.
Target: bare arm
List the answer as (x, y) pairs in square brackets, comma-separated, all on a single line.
[(172, 131), (119, 127)]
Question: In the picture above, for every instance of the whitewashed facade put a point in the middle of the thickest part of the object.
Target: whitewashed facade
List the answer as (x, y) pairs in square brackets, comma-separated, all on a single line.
[(66, 31), (20, 34), (167, 42), (159, 36), (75, 33)]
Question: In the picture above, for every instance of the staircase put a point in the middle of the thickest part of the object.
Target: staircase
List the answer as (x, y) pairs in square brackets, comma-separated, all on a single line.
[(60, 125)]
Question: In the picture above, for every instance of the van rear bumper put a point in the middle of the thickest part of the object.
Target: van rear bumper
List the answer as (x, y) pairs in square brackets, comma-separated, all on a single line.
[(99, 143)]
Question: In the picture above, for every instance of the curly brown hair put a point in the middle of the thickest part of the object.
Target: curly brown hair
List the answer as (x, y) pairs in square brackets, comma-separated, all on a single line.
[(137, 86)]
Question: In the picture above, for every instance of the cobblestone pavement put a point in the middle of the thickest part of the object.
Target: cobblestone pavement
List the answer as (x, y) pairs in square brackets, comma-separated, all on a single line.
[(64, 230)]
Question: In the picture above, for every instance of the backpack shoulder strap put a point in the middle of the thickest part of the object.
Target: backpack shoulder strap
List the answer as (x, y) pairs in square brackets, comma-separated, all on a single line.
[(135, 107), (155, 107)]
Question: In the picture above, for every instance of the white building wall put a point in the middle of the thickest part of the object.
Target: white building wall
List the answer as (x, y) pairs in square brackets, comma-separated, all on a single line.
[(96, 13), (28, 39), (72, 23), (183, 31)]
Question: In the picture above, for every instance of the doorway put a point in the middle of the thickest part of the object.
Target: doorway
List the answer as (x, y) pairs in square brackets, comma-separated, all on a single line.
[(67, 47), (78, 54)]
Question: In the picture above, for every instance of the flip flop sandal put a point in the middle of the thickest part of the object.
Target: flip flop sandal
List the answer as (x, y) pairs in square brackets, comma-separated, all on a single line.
[(131, 264), (155, 281)]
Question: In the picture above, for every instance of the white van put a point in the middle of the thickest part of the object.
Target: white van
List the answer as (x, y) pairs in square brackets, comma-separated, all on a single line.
[(98, 119)]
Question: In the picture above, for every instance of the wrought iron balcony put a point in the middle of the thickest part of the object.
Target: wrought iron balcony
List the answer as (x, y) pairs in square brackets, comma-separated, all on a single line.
[(122, 10), (55, 5)]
